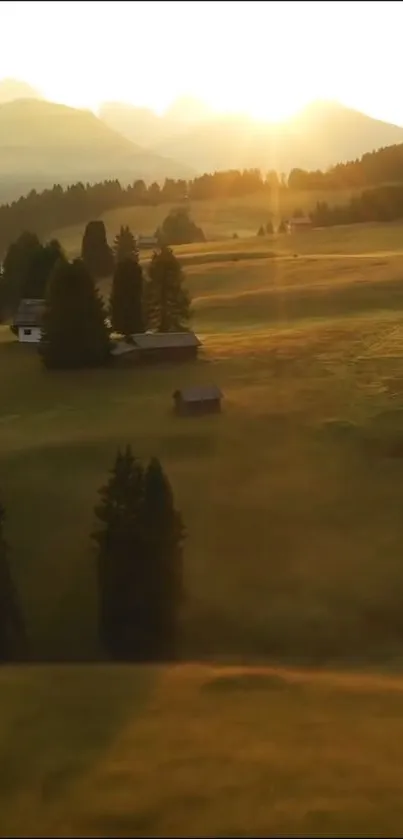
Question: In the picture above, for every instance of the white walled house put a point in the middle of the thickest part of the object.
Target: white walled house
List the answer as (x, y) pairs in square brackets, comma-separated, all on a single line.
[(27, 323)]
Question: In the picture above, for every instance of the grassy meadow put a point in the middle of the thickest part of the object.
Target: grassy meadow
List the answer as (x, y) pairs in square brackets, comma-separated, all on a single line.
[(293, 502), (219, 218), (199, 751), (292, 497)]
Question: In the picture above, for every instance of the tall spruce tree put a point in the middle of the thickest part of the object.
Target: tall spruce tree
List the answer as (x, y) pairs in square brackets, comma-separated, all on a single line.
[(74, 330), (126, 303), (164, 535), (125, 245), (13, 642), (139, 570), (39, 271), (16, 269), (168, 302), (95, 251)]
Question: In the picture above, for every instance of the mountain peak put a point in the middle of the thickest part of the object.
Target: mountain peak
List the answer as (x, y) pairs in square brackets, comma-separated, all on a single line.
[(12, 89)]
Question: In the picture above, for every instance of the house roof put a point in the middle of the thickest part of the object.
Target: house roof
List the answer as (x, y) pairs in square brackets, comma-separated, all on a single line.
[(122, 348), (29, 312), (165, 340), (200, 393)]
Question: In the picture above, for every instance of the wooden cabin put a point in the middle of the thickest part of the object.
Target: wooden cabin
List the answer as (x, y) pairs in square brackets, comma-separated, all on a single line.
[(193, 401), (166, 346)]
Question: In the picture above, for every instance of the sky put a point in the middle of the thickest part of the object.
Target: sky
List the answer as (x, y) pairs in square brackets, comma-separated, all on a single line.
[(267, 59)]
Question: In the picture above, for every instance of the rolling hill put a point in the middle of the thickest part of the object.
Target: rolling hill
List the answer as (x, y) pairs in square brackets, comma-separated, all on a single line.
[(42, 143), (322, 134)]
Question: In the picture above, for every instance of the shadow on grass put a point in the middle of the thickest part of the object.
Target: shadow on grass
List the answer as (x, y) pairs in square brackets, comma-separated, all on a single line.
[(57, 721)]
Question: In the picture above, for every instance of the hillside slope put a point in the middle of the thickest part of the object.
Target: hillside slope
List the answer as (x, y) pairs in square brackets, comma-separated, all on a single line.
[(319, 136), (199, 751), (41, 142)]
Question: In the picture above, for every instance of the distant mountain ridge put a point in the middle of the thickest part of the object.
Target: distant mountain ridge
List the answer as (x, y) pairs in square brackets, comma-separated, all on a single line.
[(42, 143), (320, 135)]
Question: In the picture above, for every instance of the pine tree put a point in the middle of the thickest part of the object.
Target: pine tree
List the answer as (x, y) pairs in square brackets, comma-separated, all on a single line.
[(261, 231), (139, 562), (126, 304), (168, 302), (13, 644), (16, 267), (179, 229), (74, 329), (164, 533), (121, 563), (39, 271), (125, 245), (282, 228), (95, 251)]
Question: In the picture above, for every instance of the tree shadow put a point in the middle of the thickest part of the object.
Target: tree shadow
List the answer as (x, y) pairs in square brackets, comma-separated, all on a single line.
[(56, 722)]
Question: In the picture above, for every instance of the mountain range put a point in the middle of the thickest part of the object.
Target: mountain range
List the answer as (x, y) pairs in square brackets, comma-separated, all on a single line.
[(42, 142), (320, 135)]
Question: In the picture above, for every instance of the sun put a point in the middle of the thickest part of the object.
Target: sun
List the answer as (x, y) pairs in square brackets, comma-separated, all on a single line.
[(275, 107)]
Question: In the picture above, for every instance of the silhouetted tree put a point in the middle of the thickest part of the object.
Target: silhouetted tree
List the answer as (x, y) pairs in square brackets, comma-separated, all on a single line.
[(74, 329), (13, 641), (139, 562), (95, 251), (124, 245), (16, 268), (126, 304), (168, 302), (43, 261), (261, 231), (179, 229), (281, 228), (164, 537)]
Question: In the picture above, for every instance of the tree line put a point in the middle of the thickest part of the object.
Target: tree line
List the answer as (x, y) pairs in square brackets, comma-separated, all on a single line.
[(383, 166), (379, 204), (43, 212), (139, 541)]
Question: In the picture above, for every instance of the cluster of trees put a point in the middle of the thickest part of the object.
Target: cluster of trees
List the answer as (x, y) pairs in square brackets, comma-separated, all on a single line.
[(139, 562), (379, 204), (43, 212), (179, 229), (77, 321), (384, 166), (25, 271), (77, 324)]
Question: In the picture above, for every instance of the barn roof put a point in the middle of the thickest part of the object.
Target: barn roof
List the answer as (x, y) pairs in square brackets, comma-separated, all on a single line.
[(29, 312), (165, 340), (122, 348), (200, 393)]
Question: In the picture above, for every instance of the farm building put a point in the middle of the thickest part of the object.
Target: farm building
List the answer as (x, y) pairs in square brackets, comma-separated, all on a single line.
[(193, 401), (294, 225), (27, 321), (166, 346)]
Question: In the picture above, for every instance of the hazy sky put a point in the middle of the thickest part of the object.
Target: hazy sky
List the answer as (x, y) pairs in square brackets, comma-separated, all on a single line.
[(266, 58)]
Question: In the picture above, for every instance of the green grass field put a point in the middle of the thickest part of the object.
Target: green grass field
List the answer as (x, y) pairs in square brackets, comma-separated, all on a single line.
[(219, 219), (293, 502), (199, 751), (295, 525)]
